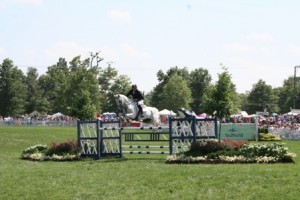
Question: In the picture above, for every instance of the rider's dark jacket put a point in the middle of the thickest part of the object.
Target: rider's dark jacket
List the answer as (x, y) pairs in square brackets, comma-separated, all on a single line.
[(136, 95)]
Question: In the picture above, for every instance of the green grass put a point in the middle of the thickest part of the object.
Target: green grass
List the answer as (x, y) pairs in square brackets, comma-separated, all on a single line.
[(135, 176)]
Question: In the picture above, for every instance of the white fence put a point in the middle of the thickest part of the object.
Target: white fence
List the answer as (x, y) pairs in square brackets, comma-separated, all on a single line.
[(286, 133), (39, 123)]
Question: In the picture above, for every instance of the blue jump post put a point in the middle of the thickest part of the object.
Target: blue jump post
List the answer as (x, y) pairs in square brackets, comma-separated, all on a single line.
[(87, 138), (110, 138)]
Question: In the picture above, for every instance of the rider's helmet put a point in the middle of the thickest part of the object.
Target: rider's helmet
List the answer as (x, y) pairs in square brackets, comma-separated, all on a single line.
[(134, 86)]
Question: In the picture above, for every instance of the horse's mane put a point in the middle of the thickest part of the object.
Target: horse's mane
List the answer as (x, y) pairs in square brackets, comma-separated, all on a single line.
[(122, 96)]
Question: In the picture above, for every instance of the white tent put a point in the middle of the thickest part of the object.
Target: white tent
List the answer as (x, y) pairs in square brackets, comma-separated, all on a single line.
[(58, 115), (241, 114), (291, 113), (166, 112), (244, 113)]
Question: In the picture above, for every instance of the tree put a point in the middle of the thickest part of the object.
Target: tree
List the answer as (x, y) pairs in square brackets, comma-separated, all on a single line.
[(163, 78), (82, 81), (120, 85), (35, 101), (176, 93), (12, 90), (222, 103), (51, 85), (82, 106), (106, 78), (262, 98), (287, 95), (200, 81), (81, 90), (112, 83), (242, 101)]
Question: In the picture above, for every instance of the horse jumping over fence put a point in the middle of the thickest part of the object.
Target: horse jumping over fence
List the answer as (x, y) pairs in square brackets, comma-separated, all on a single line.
[(129, 108)]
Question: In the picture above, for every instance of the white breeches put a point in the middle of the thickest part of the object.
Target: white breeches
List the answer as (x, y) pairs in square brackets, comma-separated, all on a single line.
[(140, 102)]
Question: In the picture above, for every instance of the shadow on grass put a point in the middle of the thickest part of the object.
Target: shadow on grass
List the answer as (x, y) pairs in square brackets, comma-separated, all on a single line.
[(124, 159)]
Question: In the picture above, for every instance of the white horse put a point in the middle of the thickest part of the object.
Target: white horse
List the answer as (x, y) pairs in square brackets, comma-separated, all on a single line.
[(129, 108)]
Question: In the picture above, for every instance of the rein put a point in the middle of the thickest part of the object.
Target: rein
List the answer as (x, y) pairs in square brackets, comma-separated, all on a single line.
[(123, 106)]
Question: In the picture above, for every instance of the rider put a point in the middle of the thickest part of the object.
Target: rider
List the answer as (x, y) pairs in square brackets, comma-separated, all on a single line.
[(138, 99)]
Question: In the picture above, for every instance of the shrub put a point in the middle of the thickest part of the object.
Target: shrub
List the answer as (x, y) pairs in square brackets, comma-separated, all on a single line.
[(268, 137), (69, 147), (217, 154), (234, 144), (263, 130), (201, 148), (246, 153), (35, 152), (65, 151), (35, 149), (271, 150)]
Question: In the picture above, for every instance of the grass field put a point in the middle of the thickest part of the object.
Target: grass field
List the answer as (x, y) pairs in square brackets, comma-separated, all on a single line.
[(135, 176)]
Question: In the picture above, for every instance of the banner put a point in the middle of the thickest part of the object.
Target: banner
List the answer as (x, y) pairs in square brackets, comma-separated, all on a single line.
[(236, 131)]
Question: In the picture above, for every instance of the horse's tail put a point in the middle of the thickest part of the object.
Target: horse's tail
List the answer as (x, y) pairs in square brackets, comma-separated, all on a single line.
[(156, 117)]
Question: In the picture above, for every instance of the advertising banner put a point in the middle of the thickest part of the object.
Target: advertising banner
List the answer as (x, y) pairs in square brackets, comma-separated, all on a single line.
[(236, 131)]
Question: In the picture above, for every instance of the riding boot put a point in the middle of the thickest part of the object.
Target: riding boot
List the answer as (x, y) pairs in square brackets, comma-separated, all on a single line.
[(137, 116), (141, 110)]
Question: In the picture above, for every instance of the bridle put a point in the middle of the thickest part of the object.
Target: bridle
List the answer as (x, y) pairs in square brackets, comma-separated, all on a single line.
[(123, 105)]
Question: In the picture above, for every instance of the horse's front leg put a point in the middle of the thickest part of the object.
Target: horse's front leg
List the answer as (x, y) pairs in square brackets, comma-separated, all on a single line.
[(130, 115)]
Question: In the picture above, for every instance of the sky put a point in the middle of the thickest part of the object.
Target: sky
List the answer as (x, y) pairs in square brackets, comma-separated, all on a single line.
[(254, 39)]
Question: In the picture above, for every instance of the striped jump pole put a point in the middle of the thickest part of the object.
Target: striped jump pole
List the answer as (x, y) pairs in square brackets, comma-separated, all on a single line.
[(146, 152), (142, 128), (135, 128), (142, 136), (144, 147)]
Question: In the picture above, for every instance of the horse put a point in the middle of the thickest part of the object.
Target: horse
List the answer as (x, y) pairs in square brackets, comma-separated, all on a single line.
[(130, 110)]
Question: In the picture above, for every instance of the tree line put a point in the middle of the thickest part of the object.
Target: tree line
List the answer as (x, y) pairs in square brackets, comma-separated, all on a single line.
[(81, 88)]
